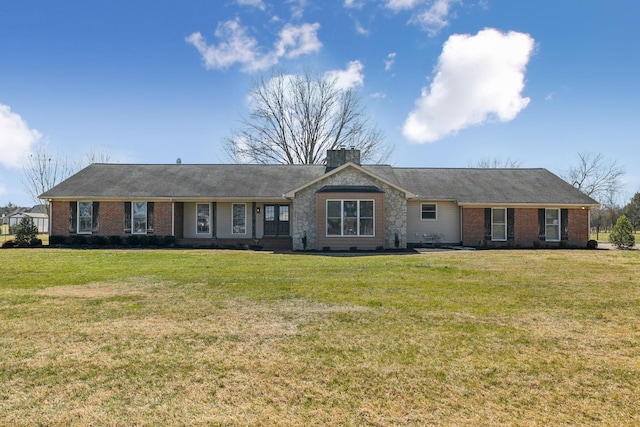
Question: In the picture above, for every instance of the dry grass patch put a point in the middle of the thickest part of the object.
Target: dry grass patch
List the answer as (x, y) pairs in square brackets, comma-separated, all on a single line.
[(236, 338)]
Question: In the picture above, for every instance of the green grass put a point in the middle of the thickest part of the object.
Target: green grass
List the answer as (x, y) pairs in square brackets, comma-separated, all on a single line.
[(168, 337)]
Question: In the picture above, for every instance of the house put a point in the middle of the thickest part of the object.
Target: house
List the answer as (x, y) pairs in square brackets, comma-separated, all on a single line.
[(342, 205), (38, 215)]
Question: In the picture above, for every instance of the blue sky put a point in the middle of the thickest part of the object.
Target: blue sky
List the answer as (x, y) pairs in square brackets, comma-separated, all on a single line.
[(449, 82)]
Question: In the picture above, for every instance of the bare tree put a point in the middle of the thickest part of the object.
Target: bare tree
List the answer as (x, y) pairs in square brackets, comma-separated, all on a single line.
[(42, 170), (495, 163), (596, 176), (94, 155), (294, 119)]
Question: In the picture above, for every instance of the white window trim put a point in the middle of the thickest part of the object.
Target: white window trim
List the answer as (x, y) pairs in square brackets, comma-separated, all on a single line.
[(326, 218), (209, 218), (146, 218), (90, 231), (558, 237), (506, 221), (429, 219), (232, 218)]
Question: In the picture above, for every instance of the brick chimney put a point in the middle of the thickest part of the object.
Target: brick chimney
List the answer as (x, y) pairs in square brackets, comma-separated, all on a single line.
[(337, 158)]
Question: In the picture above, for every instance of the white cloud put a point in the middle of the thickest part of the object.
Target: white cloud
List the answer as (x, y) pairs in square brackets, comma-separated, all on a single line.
[(295, 41), (431, 15), (353, 4), (349, 78), (16, 138), (253, 3), (398, 5), (361, 30), (297, 8), (388, 63), (238, 47), (478, 78), (435, 17)]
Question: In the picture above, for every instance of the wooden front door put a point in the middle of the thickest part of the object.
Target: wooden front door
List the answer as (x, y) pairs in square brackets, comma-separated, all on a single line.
[(276, 220)]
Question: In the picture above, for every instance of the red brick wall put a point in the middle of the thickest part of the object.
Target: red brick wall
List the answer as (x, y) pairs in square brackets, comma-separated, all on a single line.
[(59, 218), (111, 218), (111, 221), (578, 227), (473, 226), (525, 228), (162, 220)]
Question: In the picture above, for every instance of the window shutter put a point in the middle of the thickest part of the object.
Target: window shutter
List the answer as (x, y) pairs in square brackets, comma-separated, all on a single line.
[(214, 208), (95, 217), (511, 233), (127, 217), (541, 225), (149, 217), (487, 224), (564, 223), (73, 217)]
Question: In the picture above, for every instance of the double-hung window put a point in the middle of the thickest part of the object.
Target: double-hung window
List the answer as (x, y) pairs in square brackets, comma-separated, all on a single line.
[(428, 211), (552, 224), (239, 213), (499, 224), (85, 217), (350, 218), (139, 217), (203, 211)]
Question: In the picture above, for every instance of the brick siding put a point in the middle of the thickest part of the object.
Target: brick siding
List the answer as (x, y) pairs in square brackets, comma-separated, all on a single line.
[(111, 218), (525, 228)]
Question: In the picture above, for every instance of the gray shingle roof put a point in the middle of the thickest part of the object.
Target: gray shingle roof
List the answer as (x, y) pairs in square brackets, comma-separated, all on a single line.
[(466, 186), (491, 186), (183, 181)]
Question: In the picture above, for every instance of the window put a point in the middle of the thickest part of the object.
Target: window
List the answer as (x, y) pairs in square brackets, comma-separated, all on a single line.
[(139, 216), (499, 224), (429, 211), (284, 213), (270, 213), (85, 217), (239, 218), (202, 219), (350, 218), (552, 224)]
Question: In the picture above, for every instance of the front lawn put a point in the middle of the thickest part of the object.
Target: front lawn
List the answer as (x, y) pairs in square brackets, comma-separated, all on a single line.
[(197, 337)]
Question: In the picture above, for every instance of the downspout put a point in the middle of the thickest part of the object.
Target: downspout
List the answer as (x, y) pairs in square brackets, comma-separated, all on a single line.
[(173, 218)]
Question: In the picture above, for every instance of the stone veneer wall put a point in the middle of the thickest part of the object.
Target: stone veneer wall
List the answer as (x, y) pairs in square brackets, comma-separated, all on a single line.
[(304, 209)]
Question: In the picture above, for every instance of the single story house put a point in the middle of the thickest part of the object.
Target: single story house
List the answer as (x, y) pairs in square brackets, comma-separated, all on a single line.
[(338, 206)]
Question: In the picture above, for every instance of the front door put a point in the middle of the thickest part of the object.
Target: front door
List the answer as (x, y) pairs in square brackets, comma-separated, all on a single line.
[(276, 220)]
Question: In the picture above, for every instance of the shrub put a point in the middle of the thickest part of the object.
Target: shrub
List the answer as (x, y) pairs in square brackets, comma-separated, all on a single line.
[(56, 240), (35, 242), (537, 243), (169, 240), (622, 234), (98, 240), (133, 240), (592, 244), (115, 240), (78, 239), (26, 231), (353, 248), (564, 243), (9, 244)]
